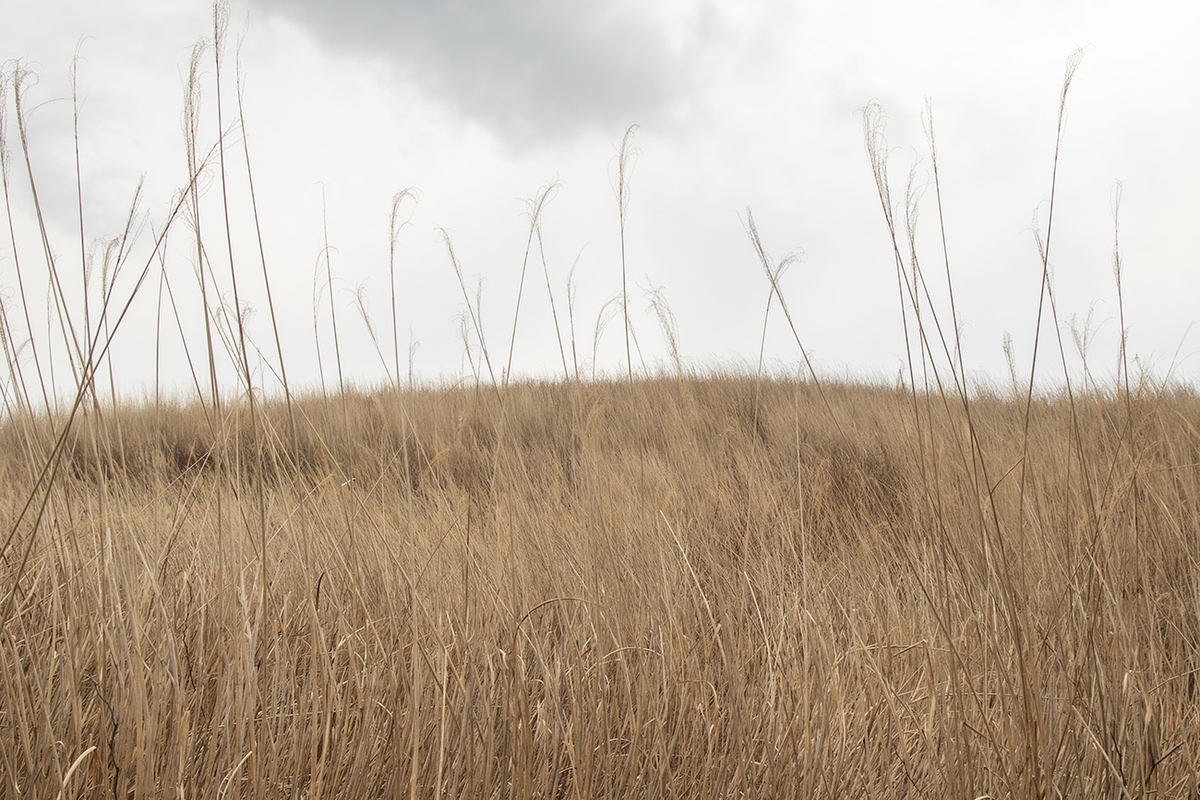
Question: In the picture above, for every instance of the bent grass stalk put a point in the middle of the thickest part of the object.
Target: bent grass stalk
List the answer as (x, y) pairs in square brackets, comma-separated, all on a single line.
[(535, 207), (262, 256), (220, 20), (337, 348), (553, 310), (396, 224)]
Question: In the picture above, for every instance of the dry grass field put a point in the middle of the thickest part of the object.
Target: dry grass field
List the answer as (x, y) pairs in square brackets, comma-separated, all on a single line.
[(700, 588), (700, 584)]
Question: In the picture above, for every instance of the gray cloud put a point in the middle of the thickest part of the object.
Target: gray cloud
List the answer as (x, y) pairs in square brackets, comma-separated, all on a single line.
[(537, 70)]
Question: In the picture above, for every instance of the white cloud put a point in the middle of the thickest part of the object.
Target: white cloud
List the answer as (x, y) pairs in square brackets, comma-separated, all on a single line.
[(544, 70)]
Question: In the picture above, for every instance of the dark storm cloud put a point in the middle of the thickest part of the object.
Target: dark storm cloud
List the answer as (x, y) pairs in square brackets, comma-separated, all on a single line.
[(530, 70)]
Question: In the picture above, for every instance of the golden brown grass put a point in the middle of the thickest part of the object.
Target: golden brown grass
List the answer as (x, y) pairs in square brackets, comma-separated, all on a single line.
[(702, 586), (611, 590)]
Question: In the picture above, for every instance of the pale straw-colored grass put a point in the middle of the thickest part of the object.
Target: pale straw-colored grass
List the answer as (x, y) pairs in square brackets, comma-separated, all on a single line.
[(701, 585)]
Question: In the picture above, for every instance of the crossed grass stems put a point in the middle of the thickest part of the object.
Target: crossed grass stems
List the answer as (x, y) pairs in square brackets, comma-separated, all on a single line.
[(678, 586)]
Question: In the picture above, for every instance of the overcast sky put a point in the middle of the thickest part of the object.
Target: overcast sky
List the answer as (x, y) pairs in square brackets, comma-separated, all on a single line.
[(478, 106)]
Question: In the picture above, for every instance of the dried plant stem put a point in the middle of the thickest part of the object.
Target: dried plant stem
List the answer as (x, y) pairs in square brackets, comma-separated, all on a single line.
[(626, 160), (337, 348), (535, 207), (287, 391)]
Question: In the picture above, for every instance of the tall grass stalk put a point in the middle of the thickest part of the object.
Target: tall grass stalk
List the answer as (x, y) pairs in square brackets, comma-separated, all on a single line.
[(220, 21), (262, 256), (57, 297), (534, 210), (562, 352), (14, 336), (626, 160), (397, 221), (474, 310), (1044, 245), (571, 290), (337, 347), (191, 133), (773, 273)]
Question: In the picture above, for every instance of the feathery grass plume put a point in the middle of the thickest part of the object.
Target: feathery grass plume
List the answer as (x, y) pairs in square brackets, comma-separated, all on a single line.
[(773, 273), (877, 154), (397, 222), (1043, 245), (360, 302), (22, 80), (414, 344), (656, 301), (12, 234), (608, 309), (1083, 336), (464, 335), (191, 137), (473, 311), (1010, 359)]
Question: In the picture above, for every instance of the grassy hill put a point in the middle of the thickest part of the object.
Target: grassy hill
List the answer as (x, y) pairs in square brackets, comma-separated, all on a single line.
[(704, 586), (696, 585)]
